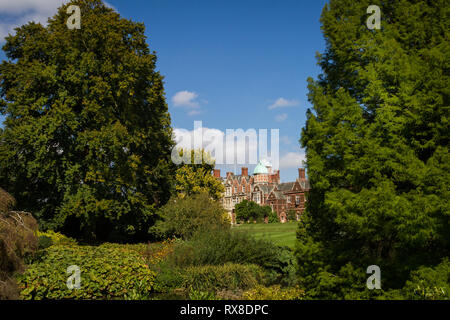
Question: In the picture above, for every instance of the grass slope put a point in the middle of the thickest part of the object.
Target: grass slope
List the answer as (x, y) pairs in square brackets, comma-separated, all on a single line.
[(282, 234)]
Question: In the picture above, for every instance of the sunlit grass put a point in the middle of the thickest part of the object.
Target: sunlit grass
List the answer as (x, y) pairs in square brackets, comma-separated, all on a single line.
[(282, 234)]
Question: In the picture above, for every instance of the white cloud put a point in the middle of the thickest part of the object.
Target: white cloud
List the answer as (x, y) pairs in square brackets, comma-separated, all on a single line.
[(216, 140), (188, 99), (282, 102), (223, 146), (185, 99), (22, 6), (292, 160), (19, 12), (281, 117)]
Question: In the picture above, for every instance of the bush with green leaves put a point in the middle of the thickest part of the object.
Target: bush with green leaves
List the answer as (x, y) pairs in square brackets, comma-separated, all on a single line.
[(291, 215), (220, 247), (251, 211), (201, 295), (56, 237), (167, 278), (229, 276), (106, 273), (429, 283), (191, 215), (275, 292), (273, 217)]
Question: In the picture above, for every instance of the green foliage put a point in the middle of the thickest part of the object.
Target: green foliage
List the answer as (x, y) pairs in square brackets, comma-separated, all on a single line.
[(220, 247), (251, 211), (291, 215), (56, 237), (47, 239), (106, 273), (138, 292), (218, 277), (429, 283), (275, 292), (273, 217), (44, 242), (377, 148), (185, 217), (87, 139), (195, 178), (201, 295), (168, 278)]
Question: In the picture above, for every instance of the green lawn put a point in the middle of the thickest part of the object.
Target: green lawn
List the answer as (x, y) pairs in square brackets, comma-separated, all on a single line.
[(281, 233)]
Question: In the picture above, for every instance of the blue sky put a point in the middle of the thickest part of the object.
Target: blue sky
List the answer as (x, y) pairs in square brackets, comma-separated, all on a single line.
[(231, 64)]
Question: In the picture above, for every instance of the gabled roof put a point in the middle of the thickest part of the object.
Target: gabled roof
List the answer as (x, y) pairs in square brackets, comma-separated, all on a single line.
[(278, 194), (304, 184), (264, 188), (287, 186), (246, 178)]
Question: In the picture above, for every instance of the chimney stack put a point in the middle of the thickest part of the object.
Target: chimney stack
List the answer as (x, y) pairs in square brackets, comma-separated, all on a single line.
[(301, 173), (229, 173), (244, 171), (217, 173)]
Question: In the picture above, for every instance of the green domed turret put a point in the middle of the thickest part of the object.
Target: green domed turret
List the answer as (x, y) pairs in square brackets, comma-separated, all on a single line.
[(260, 169)]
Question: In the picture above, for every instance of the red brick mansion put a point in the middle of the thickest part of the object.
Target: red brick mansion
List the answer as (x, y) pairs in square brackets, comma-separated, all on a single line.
[(264, 188)]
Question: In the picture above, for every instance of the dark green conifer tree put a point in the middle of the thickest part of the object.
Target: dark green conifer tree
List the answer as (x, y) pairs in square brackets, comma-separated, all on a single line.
[(376, 141)]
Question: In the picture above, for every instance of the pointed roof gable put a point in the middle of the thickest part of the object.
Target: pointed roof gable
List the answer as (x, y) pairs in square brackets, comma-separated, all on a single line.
[(287, 186)]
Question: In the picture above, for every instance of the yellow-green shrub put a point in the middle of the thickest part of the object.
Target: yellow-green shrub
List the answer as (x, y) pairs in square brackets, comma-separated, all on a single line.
[(274, 293), (228, 276), (106, 273), (56, 237)]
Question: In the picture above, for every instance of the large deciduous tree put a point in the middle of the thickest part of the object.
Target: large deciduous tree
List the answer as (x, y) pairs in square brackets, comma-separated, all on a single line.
[(377, 147), (87, 139)]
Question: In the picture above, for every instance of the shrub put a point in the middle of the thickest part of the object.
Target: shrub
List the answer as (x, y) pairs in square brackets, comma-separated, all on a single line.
[(275, 292), (215, 248), (56, 237), (249, 211), (291, 215), (183, 218), (229, 276), (429, 283), (44, 242), (218, 248), (273, 217), (17, 243), (106, 273), (201, 295), (197, 282), (168, 279)]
